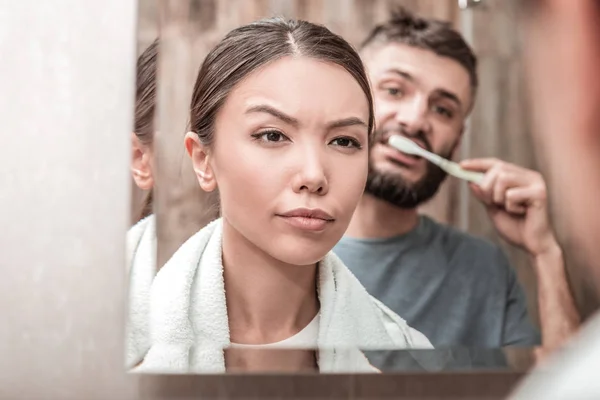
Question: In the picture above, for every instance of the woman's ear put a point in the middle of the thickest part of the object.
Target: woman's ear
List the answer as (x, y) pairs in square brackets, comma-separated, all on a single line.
[(200, 160), (141, 163)]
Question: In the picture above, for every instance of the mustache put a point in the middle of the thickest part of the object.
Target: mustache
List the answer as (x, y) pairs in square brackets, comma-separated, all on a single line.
[(382, 136)]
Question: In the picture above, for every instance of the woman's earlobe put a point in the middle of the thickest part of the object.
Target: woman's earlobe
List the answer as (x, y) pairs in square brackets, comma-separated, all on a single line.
[(141, 164), (207, 180), (200, 161)]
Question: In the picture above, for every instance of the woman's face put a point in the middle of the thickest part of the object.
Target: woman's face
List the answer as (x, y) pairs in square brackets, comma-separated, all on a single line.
[(290, 158)]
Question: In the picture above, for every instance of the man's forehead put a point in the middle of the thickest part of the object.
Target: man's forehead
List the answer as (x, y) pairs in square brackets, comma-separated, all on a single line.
[(422, 64)]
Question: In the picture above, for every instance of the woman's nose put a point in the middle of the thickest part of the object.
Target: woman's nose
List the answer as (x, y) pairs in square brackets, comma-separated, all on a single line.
[(311, 176)]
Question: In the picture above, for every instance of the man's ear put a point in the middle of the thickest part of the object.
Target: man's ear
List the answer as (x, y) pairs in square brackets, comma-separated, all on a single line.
[(200, 161), (141, 163)]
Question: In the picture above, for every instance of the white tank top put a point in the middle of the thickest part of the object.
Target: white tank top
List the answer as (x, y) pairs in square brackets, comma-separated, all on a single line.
[(305, 339)]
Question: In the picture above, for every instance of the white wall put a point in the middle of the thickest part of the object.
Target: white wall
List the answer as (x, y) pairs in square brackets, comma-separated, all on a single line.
[(66, 105)]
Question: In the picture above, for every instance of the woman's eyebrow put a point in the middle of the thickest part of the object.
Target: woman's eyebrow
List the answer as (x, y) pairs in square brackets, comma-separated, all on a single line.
[(340, 123), (263, 108), (345, 122)]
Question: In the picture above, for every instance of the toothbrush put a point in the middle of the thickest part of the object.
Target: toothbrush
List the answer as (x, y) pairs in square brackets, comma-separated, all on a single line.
[(407, 146)]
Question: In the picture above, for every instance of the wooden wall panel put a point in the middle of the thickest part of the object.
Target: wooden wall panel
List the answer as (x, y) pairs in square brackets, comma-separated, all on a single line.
[(202, 25), (499, 124)]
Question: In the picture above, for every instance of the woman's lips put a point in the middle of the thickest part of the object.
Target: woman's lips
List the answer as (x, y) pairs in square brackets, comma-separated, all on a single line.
[(307, 219), (307, 223)]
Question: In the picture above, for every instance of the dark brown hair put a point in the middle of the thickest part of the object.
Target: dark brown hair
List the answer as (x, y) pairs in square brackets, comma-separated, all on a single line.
[(145, 105), (429, 34), (145, 94), (250, 47)]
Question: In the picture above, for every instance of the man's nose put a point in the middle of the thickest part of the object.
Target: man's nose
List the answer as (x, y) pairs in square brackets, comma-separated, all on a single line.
[(412, 115)]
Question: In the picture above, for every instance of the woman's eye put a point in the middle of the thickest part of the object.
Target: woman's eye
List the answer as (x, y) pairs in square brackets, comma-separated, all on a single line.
[(346, 142), (273, 136), (270, 136)]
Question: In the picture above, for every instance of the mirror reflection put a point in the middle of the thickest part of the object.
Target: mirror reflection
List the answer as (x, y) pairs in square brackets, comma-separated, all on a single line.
[(330, 249)]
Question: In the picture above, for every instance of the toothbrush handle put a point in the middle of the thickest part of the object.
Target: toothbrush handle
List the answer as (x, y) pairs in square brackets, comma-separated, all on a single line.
[(454, 169), (472, 176)]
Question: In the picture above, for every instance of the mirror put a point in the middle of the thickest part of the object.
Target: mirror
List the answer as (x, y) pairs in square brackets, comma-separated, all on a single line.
[(430, 274)]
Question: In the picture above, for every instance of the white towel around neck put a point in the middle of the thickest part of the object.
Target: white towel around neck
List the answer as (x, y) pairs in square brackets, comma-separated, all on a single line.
[(189, 324), (141, 263)]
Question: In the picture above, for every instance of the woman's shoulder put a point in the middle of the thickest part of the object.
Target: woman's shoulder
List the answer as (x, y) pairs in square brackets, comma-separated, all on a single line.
[(143, 230), (135, 233)]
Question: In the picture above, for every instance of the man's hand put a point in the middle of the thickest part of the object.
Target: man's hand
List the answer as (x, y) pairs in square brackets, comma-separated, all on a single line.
[(515, 198), (516, 201)]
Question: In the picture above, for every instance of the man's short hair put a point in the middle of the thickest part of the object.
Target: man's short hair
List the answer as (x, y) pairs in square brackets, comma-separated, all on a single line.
[(430, 34)]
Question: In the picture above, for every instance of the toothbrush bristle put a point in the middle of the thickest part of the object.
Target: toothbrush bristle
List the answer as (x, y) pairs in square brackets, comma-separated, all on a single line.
[(402, 144)]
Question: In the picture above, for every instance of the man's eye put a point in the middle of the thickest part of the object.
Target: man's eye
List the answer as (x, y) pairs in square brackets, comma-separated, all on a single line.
[(443, 111)]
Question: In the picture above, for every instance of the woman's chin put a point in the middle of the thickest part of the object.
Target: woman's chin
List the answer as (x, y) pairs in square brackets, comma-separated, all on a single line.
[(300, 255), (305, 249)]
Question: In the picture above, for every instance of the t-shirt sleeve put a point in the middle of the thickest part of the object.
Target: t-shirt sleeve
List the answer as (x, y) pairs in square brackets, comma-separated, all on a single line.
[(518, 328)]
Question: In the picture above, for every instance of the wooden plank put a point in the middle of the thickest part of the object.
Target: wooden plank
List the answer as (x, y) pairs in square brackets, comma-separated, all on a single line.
[(410, 385), (181, 207), (500, 125)]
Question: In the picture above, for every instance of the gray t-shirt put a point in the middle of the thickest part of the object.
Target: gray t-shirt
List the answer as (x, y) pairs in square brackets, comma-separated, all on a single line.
[(458, 290)]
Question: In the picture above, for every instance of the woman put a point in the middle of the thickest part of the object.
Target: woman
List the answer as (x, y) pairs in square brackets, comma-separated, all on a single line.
[(281, 119), (143, 134), (141, 239)]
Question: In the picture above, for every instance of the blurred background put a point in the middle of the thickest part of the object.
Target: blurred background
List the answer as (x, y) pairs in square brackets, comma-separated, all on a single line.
[(498, 126)]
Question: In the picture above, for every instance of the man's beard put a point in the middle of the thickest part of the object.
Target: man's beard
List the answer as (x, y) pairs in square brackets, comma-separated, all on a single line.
[(394, 189)]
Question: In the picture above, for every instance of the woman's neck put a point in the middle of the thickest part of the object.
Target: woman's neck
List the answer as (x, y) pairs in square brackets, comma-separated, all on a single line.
[(267, 300)]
